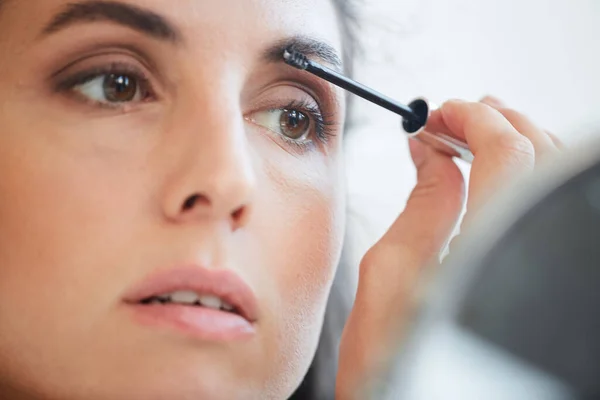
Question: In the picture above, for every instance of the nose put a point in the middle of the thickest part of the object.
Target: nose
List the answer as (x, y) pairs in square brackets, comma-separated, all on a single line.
[(213, 175)]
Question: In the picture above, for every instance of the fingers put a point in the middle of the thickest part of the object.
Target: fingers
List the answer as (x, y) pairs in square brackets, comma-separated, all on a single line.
[(433, 206), (390, 269), (505, 144), (501, 151), (543, 143), (418, 234)]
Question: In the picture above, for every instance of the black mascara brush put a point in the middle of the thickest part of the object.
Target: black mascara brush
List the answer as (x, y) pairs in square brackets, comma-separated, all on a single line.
[(415, 115)]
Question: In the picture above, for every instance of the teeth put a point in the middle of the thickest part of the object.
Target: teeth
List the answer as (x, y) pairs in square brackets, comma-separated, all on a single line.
[(192, 298), (184, 296), (210, 302)]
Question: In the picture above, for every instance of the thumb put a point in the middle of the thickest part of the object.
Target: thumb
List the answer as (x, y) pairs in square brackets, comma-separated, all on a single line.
[(390, 269), (433, 207)]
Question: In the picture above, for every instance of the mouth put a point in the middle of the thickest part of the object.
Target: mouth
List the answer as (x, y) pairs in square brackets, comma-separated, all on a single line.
[(193, 299), (211, 305)]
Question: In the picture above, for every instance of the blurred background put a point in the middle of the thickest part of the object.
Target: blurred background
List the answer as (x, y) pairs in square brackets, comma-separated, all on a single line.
[(542, 57)]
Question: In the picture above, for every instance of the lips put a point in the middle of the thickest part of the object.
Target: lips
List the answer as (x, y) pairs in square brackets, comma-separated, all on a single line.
[(206, 303)]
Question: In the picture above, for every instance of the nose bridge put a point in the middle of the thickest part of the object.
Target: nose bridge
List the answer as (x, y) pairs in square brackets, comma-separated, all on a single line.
[(214, 173), (227, 171), (216, 134)]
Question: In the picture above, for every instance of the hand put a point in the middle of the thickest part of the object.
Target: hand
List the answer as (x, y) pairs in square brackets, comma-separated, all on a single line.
[(505, 144)]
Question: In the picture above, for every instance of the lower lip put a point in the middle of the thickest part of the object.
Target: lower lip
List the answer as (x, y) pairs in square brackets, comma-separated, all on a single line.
[(199, 322)]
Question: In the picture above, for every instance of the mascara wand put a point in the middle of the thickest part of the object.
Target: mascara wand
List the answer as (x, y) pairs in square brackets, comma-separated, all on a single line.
[(414, 116)]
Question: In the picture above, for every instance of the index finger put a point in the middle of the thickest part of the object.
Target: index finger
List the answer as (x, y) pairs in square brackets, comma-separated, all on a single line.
[(500, 150)]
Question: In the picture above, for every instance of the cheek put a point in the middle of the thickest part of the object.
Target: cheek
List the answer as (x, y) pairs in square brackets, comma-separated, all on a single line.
[(64, 215), (304, 219)]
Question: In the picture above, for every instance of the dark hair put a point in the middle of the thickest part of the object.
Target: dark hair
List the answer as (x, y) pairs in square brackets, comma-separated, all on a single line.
[(319, 382)]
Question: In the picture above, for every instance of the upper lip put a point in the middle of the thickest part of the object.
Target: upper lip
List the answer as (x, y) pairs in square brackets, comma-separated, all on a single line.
[(223, 283)]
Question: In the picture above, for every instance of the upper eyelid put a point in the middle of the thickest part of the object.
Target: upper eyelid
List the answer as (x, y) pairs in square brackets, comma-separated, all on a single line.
[(128, 57), (112, 50), (280, 102), (88, 74), (324, 93)]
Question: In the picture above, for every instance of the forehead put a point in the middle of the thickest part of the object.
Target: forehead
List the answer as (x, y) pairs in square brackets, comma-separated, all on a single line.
[(220, 25)]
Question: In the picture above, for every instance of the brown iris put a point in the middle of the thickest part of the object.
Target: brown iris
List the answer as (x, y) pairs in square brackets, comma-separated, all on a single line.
[(120, 88), (294, 124)]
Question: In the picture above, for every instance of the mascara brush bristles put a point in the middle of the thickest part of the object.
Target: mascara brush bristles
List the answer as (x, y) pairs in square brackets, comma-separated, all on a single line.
[(296, 59), (300, 61)]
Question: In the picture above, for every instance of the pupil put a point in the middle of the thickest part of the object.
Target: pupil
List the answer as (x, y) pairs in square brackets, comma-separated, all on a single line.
[(294, 124), (294, 119), (120, 88)]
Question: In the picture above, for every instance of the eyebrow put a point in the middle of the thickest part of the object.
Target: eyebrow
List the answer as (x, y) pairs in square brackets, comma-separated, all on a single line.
[(156, 26), (136, 18), (312, 48)]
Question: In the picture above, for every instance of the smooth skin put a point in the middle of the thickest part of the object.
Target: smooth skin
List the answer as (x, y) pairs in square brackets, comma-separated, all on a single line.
[(94, 199), (506, 144)]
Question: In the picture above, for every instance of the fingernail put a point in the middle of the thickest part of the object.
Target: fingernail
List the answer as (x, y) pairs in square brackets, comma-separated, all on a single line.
[(493, 101)]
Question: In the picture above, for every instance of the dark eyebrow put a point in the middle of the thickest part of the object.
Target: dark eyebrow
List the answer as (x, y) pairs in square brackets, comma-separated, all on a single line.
[(139, 19), (312, 48)]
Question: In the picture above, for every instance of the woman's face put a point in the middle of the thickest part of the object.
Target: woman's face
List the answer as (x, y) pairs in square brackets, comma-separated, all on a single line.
[(149, 147)]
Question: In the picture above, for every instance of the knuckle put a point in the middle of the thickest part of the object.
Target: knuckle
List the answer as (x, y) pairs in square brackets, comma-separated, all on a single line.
[(387, 258), (519, 120), (375, 256), (517, 148), (447, 183)]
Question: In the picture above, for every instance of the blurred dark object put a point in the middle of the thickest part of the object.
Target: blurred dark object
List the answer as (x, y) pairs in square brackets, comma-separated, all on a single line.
[(516, 313)]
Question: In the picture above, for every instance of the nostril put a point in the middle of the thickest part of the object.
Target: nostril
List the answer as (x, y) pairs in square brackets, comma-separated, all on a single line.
[(190, 203), (193, 201), (238, 214), (198, 203)]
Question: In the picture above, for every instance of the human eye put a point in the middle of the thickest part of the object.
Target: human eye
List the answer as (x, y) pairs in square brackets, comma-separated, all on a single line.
[(112, 85), (299, 121)]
